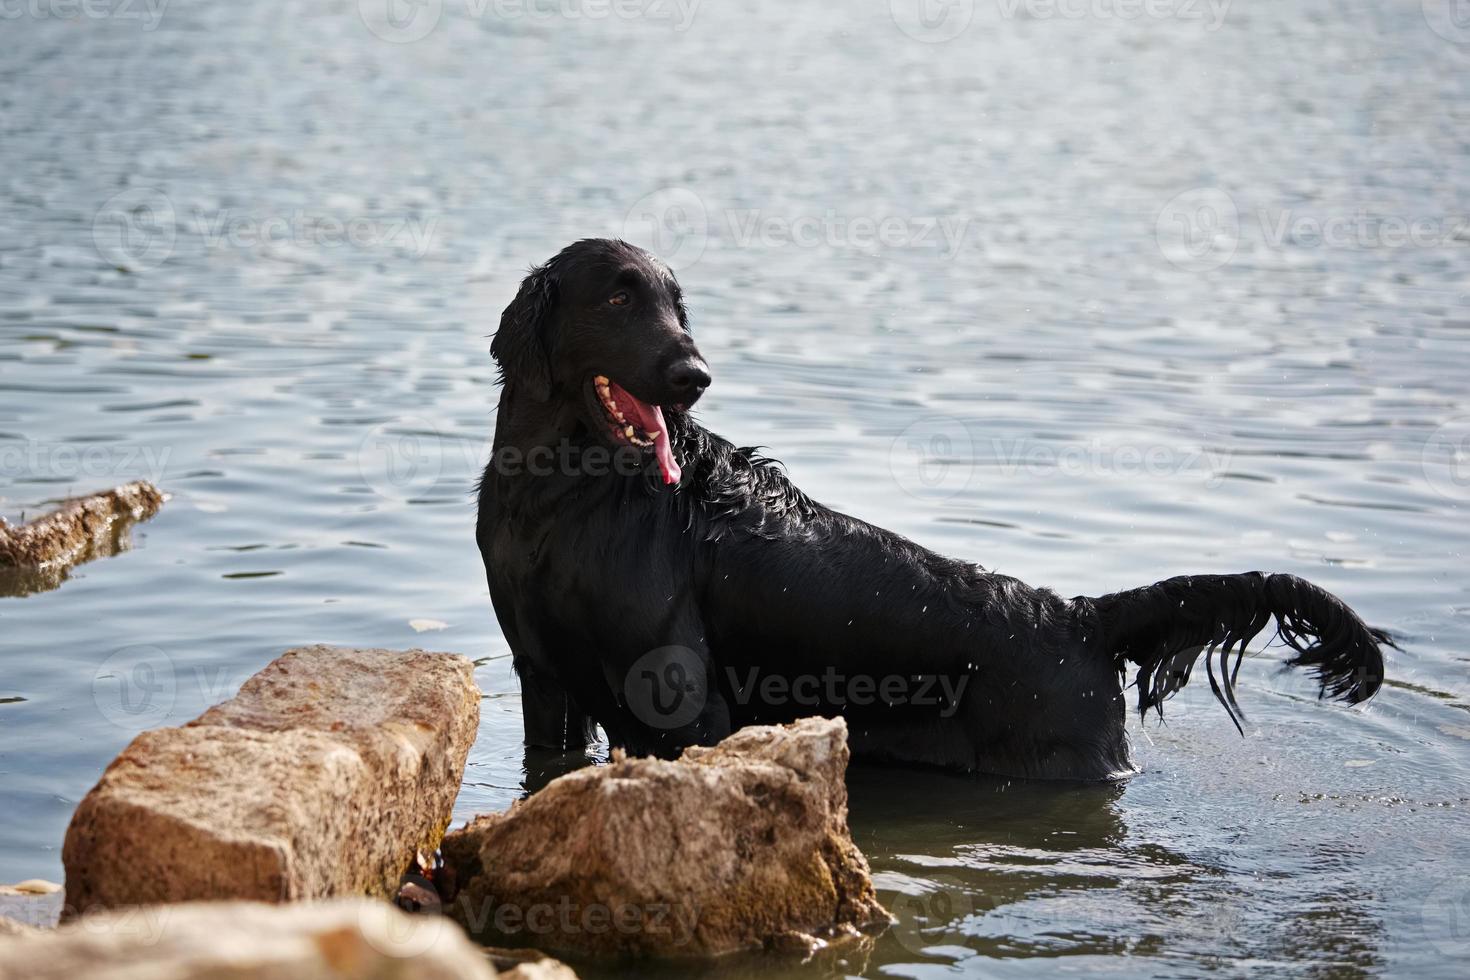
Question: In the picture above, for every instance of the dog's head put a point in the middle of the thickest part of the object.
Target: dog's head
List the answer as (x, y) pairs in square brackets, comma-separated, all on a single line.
[(602, 326)]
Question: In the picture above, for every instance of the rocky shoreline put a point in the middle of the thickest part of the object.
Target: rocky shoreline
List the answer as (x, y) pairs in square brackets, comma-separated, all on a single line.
[(267, 837)]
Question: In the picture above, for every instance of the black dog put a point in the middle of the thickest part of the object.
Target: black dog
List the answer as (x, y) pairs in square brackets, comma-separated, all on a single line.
[(653, 579)]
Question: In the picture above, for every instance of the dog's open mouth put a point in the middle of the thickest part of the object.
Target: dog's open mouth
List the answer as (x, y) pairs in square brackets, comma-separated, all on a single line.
[(632, 422)]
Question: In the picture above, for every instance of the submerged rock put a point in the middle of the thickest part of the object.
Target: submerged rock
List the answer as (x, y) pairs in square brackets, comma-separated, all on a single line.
[(250, 941), (76, 528), (322, 777), (38, 556), (741, 846)]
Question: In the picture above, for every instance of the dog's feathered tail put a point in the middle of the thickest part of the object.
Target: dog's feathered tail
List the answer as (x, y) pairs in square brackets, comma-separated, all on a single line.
[(1163, 628)]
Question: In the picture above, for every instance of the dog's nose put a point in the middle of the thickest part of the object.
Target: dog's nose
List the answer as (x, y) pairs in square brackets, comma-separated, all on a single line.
[(687, 378)]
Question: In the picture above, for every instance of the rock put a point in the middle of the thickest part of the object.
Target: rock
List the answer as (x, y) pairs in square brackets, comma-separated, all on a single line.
[(542, 969), (31, 886), (322, 777), (77, 527), (9, 927), (741, 846), (528, 964), (347, 938)]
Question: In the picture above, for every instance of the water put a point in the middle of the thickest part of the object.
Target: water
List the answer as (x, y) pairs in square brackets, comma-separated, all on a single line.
[(1084, 379)]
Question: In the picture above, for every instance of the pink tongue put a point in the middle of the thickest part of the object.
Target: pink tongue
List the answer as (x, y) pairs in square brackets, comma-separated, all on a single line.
[(651, 419), (662, 448)]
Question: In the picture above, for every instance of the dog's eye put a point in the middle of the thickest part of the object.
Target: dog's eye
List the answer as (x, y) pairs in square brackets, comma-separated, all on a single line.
[(619, 298)]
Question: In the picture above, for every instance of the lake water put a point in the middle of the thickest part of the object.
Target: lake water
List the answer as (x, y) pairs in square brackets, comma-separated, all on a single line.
[(1089, 299)]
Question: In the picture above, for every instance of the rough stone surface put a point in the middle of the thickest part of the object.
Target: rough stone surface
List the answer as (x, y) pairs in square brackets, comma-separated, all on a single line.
[(9, 927), (77, 527), (321, 778), (347, 938), (744, 845)]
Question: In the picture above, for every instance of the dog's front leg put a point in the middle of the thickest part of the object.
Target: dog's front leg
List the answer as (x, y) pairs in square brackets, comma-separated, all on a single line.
[(552, 718)]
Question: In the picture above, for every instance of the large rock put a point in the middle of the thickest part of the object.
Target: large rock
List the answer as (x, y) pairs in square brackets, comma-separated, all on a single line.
[(740, 846), (337, 940), (322, 777)]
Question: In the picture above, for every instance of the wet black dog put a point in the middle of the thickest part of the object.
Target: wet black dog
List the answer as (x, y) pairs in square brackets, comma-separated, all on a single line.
[(653, 579)]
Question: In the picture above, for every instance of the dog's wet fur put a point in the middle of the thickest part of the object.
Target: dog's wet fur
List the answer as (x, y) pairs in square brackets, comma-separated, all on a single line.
[(735, 599)]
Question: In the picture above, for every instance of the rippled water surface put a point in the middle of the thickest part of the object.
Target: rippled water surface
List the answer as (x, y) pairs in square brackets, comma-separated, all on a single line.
[(1200, 302)]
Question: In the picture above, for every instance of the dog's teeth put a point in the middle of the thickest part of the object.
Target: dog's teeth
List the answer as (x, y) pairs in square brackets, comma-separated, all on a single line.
[(620, 416), (601, 380), (628, 431)]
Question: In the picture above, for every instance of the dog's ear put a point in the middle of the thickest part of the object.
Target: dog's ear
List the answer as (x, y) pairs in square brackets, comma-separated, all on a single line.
[(520, 346)]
